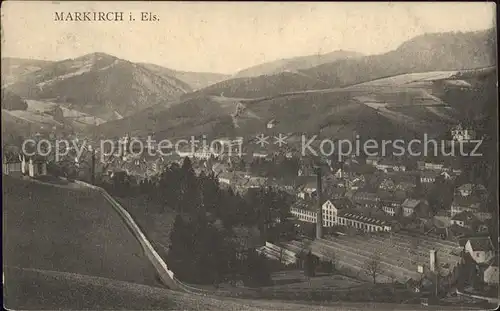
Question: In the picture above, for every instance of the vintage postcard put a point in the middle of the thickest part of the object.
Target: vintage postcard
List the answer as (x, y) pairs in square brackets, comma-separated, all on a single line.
[(249, 155)]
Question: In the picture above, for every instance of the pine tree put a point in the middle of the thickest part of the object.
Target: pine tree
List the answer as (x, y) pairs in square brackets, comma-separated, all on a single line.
[(190, 198), (180, 253)]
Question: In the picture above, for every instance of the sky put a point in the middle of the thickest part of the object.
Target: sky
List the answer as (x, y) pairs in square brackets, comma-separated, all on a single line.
[(227, 37)]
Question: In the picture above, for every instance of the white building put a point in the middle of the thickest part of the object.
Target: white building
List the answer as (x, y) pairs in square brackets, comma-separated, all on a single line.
[(464, 219), (422, 165), (390, 210), (271, 124), (372, 160), (304, 214), (428, 177), (462, 134), (490, 275), (12, 167), (34, 166), (387, 165), (409, 206), (480, 249), (308, 213), (308, 191), (225, 178), (330, 213)]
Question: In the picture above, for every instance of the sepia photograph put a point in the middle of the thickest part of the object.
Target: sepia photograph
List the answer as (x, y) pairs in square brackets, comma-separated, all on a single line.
[(253, 156)]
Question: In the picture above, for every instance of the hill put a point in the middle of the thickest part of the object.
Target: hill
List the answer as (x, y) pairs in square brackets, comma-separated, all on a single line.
[(429, 52), (265, 85), (69, 230), (11, 101), (43, 117), (99, 84), (15, 129), (195, 80), (295, 63), (404, 106), (13, 68)]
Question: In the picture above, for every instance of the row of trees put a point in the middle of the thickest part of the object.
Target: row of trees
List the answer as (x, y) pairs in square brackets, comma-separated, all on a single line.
[(205, 248)]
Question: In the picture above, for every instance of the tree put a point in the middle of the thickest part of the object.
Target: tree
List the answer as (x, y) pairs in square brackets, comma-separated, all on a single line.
[(180, 249), (373, 267), (199, 252), (256, 269), (11, 101), (330, 258), (189, 191), (310, 265), (169, 187), (306, 245)]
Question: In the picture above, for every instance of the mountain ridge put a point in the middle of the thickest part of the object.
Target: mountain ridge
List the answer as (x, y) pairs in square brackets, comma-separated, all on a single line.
[(99, 84), (294, 63), (429, 52)]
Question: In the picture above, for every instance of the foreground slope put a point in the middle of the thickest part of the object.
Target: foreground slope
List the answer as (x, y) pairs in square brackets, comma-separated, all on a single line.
[(35, 290), (69, 230)]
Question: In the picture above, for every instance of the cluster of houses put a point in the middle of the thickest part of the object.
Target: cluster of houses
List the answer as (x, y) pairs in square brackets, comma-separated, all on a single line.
[(374, 194), (20, 165), (461, 133), (483, 255), (392, 193)]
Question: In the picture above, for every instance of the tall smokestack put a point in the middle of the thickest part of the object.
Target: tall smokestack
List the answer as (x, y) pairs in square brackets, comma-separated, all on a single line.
[(433, 263), (435, 269), (319, 191)]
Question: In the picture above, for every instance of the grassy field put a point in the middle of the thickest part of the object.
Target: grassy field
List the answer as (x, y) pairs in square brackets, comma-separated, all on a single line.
[(295, 280), (69, 230)]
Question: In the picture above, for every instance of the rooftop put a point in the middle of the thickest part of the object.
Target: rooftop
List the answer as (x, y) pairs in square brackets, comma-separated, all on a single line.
[(343, 203), (470, 201), (11, 159), (481, 244), (304, 205), (471, 187), (388, 161), (36, 158), (429, 174), (311, 185), (411, 203), (465, 216), (368, 216)]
